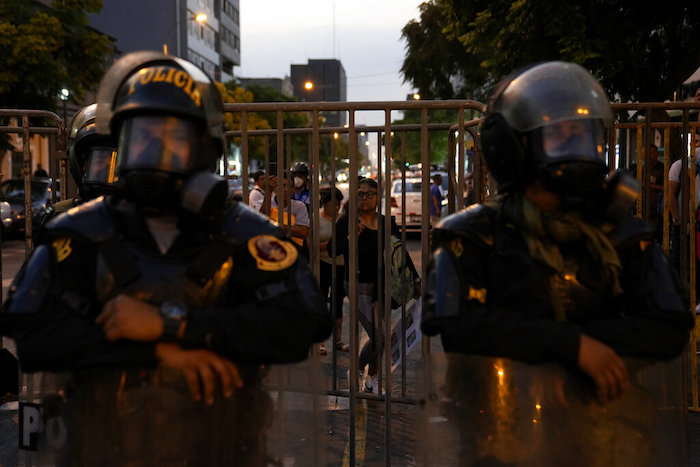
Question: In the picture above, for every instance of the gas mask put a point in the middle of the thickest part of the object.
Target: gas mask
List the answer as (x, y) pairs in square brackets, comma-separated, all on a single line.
[(158, 168)]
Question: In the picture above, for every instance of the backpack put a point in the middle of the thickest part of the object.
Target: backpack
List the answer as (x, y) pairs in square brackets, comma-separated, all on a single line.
[(403, 275)]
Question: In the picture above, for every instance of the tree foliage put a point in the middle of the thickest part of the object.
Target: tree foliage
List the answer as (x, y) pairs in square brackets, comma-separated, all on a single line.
[(437, 146), (231, 92), (640, 50), (44, 48)]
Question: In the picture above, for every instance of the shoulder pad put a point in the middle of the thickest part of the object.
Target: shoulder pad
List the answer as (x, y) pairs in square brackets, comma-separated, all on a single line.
[(92, 220), (630, 230), (241, 223), (476, 222)]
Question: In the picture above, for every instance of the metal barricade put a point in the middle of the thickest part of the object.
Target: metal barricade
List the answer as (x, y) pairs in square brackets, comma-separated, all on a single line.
[(320, 416)]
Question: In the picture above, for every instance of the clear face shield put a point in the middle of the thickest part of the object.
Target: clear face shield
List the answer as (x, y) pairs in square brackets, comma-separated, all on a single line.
[(99, 166), (575, 139), (161, 143)]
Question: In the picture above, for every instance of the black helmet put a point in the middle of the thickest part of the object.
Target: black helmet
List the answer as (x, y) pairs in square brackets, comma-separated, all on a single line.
[(168, 117), (92, 156), (546, 123), (299, 168)]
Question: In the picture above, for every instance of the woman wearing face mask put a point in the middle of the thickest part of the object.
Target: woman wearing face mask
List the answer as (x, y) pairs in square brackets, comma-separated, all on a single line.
[(300, 172)]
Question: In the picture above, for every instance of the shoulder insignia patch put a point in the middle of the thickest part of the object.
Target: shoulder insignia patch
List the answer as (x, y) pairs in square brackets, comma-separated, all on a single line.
[(477, 294), (62, 247), (272, 253), (455, 246)]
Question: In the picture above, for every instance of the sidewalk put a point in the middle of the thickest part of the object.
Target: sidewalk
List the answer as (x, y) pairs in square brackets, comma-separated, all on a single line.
[(694, 439)]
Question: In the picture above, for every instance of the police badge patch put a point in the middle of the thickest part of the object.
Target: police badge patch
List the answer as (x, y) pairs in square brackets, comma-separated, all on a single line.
[(272, 253)]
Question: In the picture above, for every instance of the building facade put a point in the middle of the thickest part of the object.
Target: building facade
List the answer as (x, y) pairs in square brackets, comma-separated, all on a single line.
[(282, 85), (213, 43), (321, 80)]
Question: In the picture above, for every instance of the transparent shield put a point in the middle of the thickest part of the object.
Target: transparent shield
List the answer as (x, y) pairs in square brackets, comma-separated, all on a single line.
[(494, 411), (148, 417)]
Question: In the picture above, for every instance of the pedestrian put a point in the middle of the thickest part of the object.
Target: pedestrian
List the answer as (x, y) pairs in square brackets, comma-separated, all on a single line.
[(549, 270), (40, 172), (257, 194), (369, 270), (435, 199), (300, 178), (331, 200), (164, 288)]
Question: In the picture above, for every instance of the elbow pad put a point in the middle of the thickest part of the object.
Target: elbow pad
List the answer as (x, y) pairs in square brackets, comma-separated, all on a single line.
[(31, 285), (443, 293)]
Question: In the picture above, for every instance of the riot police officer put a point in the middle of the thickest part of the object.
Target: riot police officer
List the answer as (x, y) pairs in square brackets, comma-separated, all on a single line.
[(92, 160), (575, 279), (553, 268), (166, 274)]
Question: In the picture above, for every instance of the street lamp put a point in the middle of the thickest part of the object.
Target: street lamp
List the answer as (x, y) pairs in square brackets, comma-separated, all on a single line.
[(199, 17), (64, 95)]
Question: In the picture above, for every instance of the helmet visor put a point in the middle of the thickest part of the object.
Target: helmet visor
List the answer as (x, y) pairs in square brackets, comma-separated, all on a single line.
[(573, 139), (99, 167), (157, 142)]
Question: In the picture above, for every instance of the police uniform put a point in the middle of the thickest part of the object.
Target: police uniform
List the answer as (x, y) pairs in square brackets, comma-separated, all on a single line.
[(488, 296)]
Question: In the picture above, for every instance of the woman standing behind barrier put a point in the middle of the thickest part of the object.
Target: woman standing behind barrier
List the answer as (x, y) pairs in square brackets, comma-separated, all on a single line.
[(330, 203), (368, 272)]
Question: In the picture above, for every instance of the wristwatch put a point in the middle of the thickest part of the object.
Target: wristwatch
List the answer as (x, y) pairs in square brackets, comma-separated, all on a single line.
[(173, 314)]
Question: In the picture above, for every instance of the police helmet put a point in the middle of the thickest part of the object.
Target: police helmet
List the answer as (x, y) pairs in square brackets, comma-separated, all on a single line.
[(91, 155), (546, 123), (168, 117), (300, 168)]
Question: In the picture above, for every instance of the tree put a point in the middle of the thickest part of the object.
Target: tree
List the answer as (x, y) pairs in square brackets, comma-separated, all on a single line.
[(44, 48), (435, 64), (438, 138), (230, 92), (639, 50)]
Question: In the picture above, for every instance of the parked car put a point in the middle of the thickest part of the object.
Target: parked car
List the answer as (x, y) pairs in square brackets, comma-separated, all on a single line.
[(414, 200), (43, 197), (5, 217)]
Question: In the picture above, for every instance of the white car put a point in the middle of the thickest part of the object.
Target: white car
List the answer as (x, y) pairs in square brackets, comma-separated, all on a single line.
[(414, 200)]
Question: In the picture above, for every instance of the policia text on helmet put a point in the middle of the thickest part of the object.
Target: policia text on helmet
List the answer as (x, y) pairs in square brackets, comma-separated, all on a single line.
[(545, 126), (167, 119)]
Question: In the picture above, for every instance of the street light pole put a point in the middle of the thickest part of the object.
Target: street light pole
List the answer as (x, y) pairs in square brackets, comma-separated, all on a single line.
[(64, 95)]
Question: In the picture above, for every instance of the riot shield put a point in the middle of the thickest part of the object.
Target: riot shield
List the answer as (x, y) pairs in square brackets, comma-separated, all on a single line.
[(496, 412), (148, 417)]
